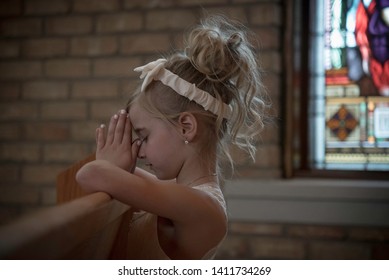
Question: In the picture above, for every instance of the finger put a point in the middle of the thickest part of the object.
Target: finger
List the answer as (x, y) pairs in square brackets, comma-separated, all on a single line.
[(119, 130), (127, 137), (135, 150), (100, 137), (112, 128)]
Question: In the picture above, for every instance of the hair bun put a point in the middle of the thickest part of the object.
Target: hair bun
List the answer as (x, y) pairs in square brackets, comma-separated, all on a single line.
[(213, 49), (234, 41)]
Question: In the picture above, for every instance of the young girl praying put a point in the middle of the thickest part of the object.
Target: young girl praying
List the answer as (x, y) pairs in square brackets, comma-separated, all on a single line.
[(191, 109)]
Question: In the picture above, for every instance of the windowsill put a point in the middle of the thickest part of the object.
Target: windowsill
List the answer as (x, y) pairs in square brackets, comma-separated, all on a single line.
[(309, 201)]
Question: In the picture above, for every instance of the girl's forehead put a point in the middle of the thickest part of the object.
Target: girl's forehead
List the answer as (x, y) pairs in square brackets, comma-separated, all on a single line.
[(140, 117), (137, 112)]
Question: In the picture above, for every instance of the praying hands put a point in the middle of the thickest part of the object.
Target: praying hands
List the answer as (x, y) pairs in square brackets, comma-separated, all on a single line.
[(115, 145)]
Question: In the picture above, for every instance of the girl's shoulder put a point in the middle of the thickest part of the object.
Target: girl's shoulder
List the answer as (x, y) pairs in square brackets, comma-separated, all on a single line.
[(213, 190)]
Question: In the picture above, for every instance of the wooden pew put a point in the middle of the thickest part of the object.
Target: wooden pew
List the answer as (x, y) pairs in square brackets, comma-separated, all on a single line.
[(81, 226)]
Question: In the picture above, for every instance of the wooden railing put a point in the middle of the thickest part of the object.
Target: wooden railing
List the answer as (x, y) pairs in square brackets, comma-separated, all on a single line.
[(81, 226)]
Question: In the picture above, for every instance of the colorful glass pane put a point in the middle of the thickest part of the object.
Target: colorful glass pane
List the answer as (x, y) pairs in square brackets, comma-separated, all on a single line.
[(356, 71)]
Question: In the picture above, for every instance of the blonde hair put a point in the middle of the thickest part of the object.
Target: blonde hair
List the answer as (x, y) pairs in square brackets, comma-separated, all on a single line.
[(220, 60)]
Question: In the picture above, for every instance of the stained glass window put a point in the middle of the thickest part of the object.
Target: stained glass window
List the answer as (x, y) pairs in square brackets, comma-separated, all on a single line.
[(349, 85)]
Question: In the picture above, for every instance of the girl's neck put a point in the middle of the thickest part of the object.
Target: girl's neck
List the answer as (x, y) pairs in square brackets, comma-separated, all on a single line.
[(195, 172)]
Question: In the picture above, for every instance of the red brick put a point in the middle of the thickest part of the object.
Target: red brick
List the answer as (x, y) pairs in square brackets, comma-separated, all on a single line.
[(116, 67), (43, 7), (318, 232), (103, 110), (244, 1), (277, 248), (268, 37), (232, 12), (270, 134), (253, 172), (69, 25), (68, 68), (10, 7), (133, 4), (46, 131), (265, 14), (46, 47), (338, 251), (241, 158), (84, 131), (127, 86), (202, 3), (18, 27), (45, 90), (95, 6), (380, 251), (268, 156), (272, 84), (236, 248), (146, 43), (8, 213), (10, 131), (20, 69), (94, 46), (256, 229), (18, 111), (49, 196), (41, 173), (122, 22), (172, 20), (95, 90), (9, 173), (9, 48), (369, 234), (18, 195), (72, 110), (20, 152), (9, 91), (64, 152), (271, 61)]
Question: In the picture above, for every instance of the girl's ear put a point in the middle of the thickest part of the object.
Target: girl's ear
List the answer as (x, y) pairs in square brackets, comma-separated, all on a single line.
[(188, 126)]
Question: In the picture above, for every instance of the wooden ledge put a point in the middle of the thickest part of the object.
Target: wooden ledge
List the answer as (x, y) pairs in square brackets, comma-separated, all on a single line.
[(85, 228)]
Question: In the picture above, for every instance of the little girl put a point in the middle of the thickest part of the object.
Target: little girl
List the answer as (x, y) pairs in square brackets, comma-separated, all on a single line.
[(190, 110)]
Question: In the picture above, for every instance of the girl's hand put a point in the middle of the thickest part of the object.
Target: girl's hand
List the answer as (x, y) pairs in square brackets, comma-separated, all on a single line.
[(115, 145)]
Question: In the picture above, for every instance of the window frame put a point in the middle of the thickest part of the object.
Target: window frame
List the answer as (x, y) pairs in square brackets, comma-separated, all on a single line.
[(297, 83), (322, 199)]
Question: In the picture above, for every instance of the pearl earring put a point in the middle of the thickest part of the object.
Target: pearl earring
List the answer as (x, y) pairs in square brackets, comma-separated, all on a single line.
[(186, 142)]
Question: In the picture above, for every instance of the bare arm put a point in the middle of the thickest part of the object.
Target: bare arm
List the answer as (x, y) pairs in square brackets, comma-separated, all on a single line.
[(114, 171), (198, 220), (144, 174), (193, 213), (163, 198)]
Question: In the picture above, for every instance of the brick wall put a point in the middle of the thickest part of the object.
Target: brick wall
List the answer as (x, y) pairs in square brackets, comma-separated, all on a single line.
[(298, 242), (65, 67)]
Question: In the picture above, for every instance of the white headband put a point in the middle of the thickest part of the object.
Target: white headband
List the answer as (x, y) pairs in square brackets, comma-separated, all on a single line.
[(155, 70)]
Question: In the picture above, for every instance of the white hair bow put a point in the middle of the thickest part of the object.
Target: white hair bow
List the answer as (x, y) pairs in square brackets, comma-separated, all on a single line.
[(149, 71), (155, 70)]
